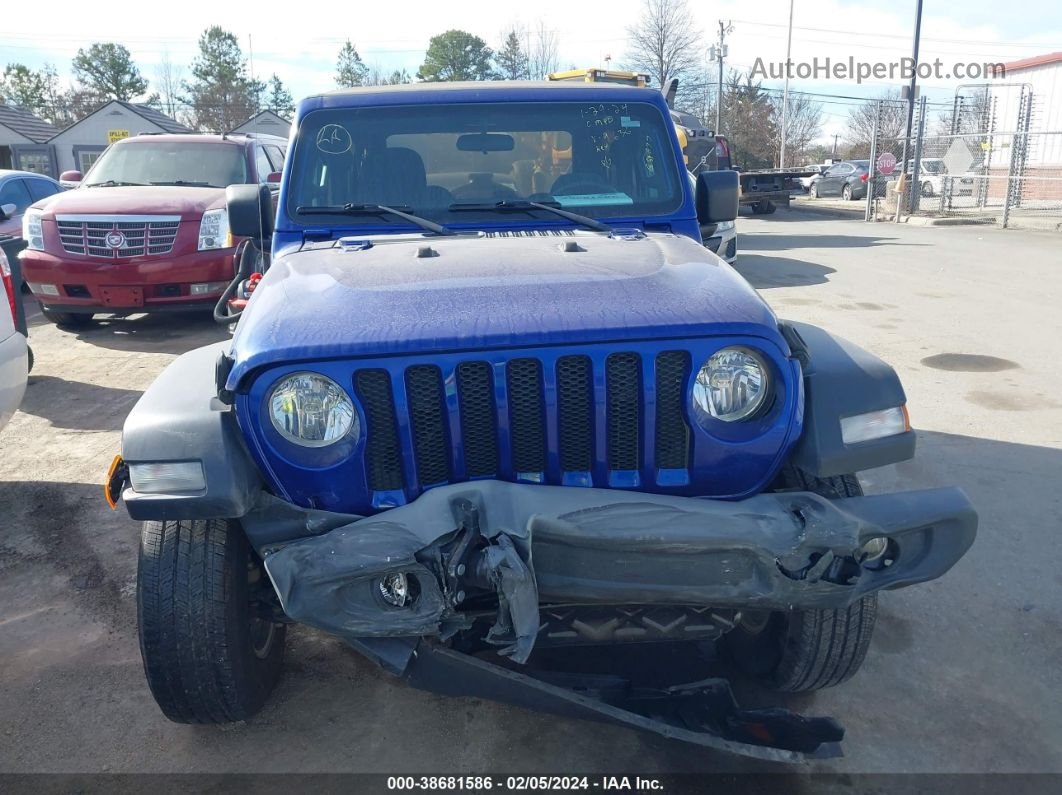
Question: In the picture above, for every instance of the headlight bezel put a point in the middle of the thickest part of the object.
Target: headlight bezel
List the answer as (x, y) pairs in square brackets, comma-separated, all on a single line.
[(701, 404), (34, 237), (214, 232), (350, 434)]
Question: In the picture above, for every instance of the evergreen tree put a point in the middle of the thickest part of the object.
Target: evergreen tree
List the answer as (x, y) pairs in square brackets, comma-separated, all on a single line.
[(350, 71), (221, 93), (511, 58), (457, 55), (107, 69), (278, 98)]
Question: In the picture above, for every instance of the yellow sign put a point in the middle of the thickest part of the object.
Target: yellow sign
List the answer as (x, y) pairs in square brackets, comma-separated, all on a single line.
[(116, 135)]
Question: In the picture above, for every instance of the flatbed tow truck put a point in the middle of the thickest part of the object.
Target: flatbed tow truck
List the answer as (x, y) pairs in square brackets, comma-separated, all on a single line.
[(762, 190)]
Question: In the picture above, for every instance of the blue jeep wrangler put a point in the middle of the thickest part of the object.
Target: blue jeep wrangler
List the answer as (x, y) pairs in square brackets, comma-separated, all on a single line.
[(492, 397)]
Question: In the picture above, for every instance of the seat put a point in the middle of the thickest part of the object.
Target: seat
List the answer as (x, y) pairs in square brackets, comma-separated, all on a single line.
[(396, 175)]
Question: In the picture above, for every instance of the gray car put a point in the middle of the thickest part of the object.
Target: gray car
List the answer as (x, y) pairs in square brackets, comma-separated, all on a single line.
[(847, 179), (18, 190)]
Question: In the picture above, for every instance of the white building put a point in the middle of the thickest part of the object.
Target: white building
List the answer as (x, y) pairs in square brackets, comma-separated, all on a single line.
[(1040, 76), (80, 145), (265, 123)]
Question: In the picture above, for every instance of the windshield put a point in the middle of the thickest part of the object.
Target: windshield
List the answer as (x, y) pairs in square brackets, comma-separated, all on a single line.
[(452, 163), (214, 165)]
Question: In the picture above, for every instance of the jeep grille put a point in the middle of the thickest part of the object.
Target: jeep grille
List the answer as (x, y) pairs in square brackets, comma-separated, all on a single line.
[(493, 419)]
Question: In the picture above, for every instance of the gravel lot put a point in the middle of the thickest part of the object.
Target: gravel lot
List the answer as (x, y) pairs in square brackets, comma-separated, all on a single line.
[(963, 674)]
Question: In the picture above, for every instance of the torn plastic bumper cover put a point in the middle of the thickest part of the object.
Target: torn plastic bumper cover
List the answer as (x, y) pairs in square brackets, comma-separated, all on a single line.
[(408, 571)]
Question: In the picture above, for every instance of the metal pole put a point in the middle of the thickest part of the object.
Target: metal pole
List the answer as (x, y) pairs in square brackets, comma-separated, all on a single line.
[(910, 100), (719, 95), (785, 92), (916, 192), (868, 214), (914, 73)]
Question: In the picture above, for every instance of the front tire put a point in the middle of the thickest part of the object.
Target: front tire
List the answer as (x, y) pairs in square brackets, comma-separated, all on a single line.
[(927, 188), (210, 652), (803, 650), (813, 191)]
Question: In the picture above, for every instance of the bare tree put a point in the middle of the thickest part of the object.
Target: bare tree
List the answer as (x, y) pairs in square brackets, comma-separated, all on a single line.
[(803, 123), (376, 75), (861, 122), (542, 57), (665, 42), (972, 113), (168, 79)]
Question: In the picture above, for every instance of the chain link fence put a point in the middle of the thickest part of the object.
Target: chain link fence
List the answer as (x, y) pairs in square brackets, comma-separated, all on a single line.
[(985, 160)]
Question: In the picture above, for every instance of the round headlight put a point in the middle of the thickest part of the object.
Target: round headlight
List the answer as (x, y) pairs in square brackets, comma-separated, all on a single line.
[(732, 385), (311, 410)]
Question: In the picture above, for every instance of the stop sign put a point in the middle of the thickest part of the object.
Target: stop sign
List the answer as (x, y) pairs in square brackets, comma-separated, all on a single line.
[(886, 162)]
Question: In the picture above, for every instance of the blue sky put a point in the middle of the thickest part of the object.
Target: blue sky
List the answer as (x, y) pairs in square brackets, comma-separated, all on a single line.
[(300, 41)]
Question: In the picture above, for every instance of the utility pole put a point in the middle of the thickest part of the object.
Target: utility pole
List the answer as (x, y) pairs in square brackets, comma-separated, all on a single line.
[(785, 92), (719, 53), (910, 103), (835, 137)]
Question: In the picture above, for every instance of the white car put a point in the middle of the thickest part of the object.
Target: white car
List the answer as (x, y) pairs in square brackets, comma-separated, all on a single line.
[(722, 240), (14, 361), (807, 182)]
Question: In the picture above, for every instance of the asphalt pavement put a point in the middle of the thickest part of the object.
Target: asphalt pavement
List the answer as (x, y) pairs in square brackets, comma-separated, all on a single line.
[(964, 674)]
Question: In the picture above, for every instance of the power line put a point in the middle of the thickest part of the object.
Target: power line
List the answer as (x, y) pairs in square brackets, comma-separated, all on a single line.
[(850, 33)]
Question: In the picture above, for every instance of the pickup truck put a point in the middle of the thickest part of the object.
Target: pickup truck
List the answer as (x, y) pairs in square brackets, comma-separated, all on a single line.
[(489, 405)]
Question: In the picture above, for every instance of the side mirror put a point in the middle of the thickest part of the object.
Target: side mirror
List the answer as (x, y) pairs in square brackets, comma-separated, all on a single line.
[(717, 196), (6, 211), (250, 211), (274, 178), (69, 179)]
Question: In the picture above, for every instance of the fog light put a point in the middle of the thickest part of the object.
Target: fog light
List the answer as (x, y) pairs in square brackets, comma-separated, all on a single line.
[(208, 287), (873, 550), (874, 425), (167, 478), (394, 588), (43, 289)]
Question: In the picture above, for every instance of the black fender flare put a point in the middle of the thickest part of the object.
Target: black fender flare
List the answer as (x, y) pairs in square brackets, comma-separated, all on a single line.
[(842, 380), (180, 418)]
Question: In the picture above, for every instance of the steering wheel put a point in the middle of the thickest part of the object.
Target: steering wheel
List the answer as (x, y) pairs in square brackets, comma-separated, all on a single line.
[(582, 184)]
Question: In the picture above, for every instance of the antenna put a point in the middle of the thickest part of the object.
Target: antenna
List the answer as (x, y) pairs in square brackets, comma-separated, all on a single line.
[(254, 127)]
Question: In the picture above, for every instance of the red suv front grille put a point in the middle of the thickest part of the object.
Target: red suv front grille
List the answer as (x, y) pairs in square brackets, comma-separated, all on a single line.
[(116, 236)]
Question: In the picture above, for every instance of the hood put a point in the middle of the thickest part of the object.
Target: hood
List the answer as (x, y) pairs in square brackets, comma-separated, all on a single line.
[(473, 293), (189, 203)]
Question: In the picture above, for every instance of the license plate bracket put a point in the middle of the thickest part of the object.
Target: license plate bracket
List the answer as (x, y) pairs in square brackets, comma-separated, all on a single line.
[(122, 297)]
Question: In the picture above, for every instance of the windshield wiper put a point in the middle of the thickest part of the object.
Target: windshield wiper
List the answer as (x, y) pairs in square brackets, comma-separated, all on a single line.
[(402, 211), (114, 183), (189, 183), (523, 205)]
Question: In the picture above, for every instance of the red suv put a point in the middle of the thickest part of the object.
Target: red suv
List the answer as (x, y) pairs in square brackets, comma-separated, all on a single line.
[(147, 229)]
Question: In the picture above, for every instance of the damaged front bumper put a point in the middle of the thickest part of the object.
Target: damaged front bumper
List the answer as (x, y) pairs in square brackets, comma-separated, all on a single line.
[(427, 569)]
